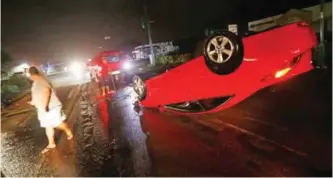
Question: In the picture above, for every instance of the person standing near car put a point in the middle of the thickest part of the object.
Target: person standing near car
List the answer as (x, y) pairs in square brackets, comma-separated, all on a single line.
[(104, 78), (49, 107)]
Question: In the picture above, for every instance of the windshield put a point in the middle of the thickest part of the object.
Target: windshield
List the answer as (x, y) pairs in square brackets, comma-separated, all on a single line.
[(112, 58)]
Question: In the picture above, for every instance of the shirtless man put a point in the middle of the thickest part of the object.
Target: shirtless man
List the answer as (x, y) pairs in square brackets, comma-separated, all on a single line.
[(49, 107)]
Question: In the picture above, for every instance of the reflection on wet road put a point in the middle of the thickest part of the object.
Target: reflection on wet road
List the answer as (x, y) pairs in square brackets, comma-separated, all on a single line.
[(127, 130), (67, 79), (123, 124), (93, 144), (228, 143)]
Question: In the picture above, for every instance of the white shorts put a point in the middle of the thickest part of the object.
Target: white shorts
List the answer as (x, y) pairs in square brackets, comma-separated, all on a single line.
[(53, 118)]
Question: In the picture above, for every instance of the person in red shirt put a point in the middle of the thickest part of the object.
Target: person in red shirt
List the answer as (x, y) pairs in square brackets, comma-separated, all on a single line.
[(104, 77)]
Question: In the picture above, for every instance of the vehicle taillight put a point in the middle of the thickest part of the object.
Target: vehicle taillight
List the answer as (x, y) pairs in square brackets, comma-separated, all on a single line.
[(282, 72)]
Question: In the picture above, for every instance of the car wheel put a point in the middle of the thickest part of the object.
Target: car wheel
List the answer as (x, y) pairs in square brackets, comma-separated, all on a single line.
[(223, 52), (139, 87)]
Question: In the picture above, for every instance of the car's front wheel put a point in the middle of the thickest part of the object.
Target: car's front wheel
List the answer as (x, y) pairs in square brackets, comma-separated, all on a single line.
[(223, 52), (139, 87)]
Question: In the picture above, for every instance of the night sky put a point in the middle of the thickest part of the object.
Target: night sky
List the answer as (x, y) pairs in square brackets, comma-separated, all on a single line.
[(41, 30)]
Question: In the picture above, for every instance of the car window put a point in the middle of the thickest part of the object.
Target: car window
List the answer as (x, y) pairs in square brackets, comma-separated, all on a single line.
[(126, 57), (112, 58)]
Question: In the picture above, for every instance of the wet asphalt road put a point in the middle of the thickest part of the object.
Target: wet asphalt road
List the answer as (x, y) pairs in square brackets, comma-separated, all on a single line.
[(283, 130)]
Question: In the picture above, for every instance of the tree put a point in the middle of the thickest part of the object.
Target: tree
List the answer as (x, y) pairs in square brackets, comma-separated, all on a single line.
[(6, 59)]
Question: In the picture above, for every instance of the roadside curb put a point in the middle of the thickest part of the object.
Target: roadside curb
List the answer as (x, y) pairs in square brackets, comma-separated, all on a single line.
[(72, 98), (15, 99), (9, 114), (20, 96), (67, 107)]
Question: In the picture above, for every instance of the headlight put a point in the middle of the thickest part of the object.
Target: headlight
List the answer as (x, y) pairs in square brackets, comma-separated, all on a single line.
[(127, 66), (76, 68)]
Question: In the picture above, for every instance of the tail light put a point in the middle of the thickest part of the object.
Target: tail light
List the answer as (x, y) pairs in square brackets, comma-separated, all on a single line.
[(282, 72)]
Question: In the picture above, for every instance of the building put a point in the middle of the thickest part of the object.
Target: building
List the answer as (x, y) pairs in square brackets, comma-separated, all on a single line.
[(160, 49), (310, 14)]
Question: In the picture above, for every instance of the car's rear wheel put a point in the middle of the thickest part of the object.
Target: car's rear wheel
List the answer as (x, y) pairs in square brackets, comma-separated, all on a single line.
[(139, 87), (223, 52)]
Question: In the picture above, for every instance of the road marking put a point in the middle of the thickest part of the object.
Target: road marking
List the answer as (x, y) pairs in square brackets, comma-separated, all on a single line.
[(247, 116), (265, 123), (16, 112), (218, 122), (74, 88), (300, 153), (211, 125), (70, 93)]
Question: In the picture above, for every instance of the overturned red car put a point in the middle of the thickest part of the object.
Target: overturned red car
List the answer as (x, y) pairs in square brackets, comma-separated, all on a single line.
[(230, 70)]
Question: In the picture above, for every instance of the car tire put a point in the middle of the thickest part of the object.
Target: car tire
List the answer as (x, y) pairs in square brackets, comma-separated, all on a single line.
[(223, 52), (137, 84)]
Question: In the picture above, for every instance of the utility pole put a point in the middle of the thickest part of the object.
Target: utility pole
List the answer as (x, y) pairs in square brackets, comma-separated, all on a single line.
[(146, 24), (322, 20), (322, 39)]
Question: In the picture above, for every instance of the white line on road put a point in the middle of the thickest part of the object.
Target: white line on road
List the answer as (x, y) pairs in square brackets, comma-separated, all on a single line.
[(265, 123), (71, 93), (300, 153)]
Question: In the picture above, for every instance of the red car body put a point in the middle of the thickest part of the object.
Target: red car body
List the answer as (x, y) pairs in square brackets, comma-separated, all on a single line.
[(269, 57)]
